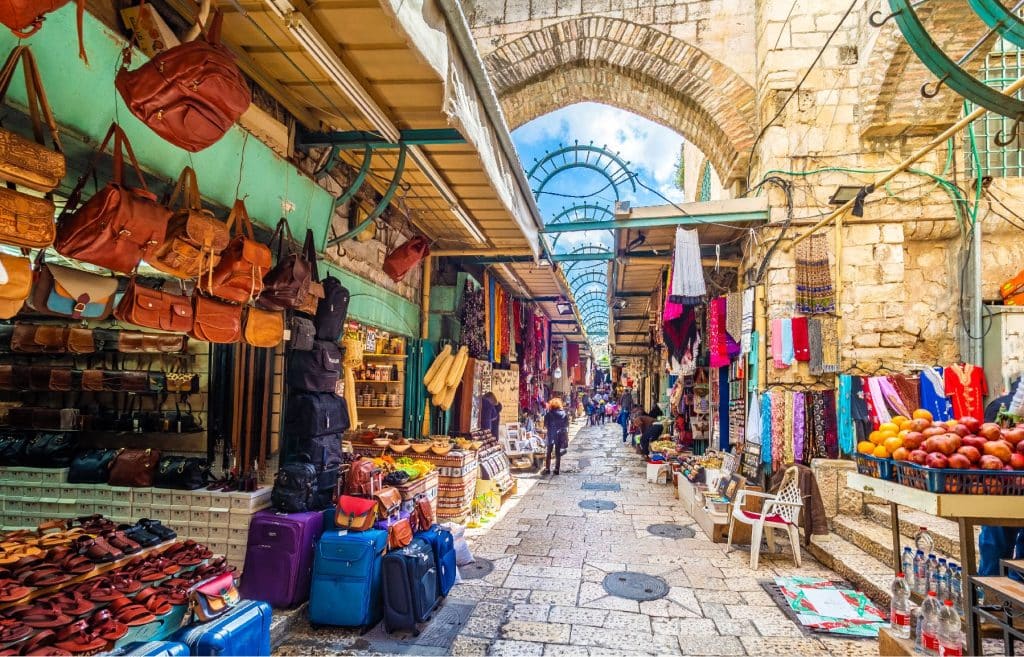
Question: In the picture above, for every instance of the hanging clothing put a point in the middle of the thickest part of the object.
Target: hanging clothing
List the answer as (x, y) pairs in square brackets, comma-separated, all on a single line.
[(778, 428), (752, 430), (799, 420), (777, 344), (933, 394), (966, 387), (892, 397), (907, 387), (688, 286), (788, 355), (765, 403), (816, 361), (789, 427), (829, 345), (845, 414), (747, 321), (801, 350), (717, 345), (881, 411), (754, 362), (831, 424), (814, 276), (734, 315)]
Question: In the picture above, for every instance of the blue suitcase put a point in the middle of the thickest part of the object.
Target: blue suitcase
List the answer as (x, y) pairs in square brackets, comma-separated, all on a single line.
[(410, 586), (346, 589), (245, 630), (443, 544), (153, 649)]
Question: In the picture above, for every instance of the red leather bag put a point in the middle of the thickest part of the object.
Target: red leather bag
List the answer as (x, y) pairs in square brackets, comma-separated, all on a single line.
[(25, 17), (190, 94), (216, 321), (119, 225), (155, 309), (398, 263), (238, 276)]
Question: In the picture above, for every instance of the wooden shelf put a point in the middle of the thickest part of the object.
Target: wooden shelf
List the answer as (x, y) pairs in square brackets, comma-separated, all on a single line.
[(177, 442), (945, 505), (372, 381), (386, 356), (382, 409)]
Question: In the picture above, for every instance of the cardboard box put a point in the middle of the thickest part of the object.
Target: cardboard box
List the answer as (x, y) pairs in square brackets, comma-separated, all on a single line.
[(152, 33)]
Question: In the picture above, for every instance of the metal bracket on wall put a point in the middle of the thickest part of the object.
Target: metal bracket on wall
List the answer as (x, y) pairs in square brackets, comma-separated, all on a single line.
[(385, 200)]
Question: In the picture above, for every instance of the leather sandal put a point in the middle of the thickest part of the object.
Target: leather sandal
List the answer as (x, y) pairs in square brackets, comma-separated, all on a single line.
[(44, 576), (71, 602), (154, 601), (12, 591), (130, 613), (70, 561), (100, 590), (156, 528), (175, 590), (126, 584), (94, 524), (120, 541), (42, 616), (97, 549), (78, 639), (12, 629), (40, 644), (105, 625), (140, 535), (12, 553)]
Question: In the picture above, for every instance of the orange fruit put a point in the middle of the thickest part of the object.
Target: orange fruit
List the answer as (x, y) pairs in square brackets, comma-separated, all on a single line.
[(898, 420), (922, 414), (865, 447), (901, 454), (903, 432), (889, 426), (876, 437), (906, 425), (892, 444), (881, 452)]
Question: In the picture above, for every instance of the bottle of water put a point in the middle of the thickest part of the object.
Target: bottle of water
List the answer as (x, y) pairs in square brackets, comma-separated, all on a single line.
[(949, 636), (920, 573), (931, 570), (923, 540), (956, 588), (942, 581), (930, 624), (899, 610), (907, 565)]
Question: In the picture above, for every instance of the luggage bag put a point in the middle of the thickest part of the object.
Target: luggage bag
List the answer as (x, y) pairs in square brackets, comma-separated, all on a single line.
[(410, 587), (442, 542), (279, 558), (245, 630), (346, 585)]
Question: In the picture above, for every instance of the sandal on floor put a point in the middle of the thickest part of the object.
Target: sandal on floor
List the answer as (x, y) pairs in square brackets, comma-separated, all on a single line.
[(42, 616), (78, 639), (156, 528), (130, 613), (105, 625)]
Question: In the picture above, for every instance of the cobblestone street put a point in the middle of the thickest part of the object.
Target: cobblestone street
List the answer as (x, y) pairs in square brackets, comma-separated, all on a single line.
[(545, 594)]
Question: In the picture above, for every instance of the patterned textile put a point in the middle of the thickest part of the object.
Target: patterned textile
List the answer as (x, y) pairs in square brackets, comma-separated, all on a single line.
[(752, 363), (687, 279), (878, 399), (747, 320), (817, 445), (933, 394), (766, 428), (907, 389), (752, 432), (778, 428), (816, 362), (892, 397), (799, 423), (717, 344), (777, 344), (831, 428), (829, 345), (814, 276), (801, 350), (789, 426), (845, 414), (734, 315)]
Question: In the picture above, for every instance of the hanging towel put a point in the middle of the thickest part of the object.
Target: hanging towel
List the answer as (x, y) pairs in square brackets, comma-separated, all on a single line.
[(878, 399), (814, 276), (799, 419), (777, 344), (815, 362), (687, 272), (800, 347), (753, 361), (747, 322), (845, 414), (787, 342), (766, 428), (734, 315)]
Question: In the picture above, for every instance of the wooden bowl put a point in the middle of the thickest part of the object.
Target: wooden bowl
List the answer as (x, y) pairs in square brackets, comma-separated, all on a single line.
[(420, 448), (381, 442), (400, 448), (440, 450)]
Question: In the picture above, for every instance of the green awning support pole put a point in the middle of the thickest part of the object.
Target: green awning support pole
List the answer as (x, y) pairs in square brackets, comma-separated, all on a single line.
[(379, 209)]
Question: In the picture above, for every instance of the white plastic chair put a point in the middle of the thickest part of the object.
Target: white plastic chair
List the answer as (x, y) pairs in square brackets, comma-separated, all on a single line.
[(778, 512)]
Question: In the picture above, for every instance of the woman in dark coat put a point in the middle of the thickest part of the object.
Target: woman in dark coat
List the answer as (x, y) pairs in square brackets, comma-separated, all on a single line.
[(556, 422)]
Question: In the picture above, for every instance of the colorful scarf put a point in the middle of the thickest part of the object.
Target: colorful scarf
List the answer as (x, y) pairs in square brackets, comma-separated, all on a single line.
[(816, 360), (789, 427), (814, 276), (818, 413), (787, 342), (777, 344), (753, 361), (878, 399), (831, 430), (799, 418), (892, 397), (766, 428), (800, 348), (747, 321), (845, 419), (829, 345), (778, 428), (734, 315), (717, 345)]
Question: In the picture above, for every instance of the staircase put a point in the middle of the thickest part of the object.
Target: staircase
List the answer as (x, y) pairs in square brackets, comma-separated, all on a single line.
[(859, 549)]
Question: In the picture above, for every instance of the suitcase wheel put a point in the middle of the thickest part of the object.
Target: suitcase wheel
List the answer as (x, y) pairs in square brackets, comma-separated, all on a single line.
[(416, 632)]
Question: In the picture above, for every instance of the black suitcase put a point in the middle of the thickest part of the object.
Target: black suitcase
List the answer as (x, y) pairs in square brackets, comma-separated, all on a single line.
[(410, 586)]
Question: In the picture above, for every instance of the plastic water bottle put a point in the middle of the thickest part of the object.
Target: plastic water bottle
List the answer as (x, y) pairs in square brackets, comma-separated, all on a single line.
[(920, 573), (931, 570), (899, 610), (942, 581), (923, 540), (956, 588), (930, 624), (949, 636), (907, 565)]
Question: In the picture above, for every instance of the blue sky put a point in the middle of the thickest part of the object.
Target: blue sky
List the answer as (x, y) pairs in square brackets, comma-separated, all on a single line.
[(651, 149)]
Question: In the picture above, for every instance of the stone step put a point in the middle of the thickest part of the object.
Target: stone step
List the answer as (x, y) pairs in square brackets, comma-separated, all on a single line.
[(866, 573), (283, 621), (945, 532)]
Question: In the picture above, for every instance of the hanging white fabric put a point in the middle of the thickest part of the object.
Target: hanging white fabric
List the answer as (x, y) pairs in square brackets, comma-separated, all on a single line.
[(687, 273)]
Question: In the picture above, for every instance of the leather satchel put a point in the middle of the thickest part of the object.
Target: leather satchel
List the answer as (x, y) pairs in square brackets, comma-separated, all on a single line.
[(25, 221), (286, 285), (6, 378), (195, 238), (398, 263), (92, 380), (61, 379), (23, 339), (263, 328), (316, 289), (24, 162), (132, 342), (119, 225), (212, 598), (81, 341), (190, 94), (65, 292), (364, 478), (39, 378), (25, 17), (389, 501), (155, 309), (356, 514), (215, 321), (18, 286), (422, 513), (134, 467), (238, 275), (399, 534)]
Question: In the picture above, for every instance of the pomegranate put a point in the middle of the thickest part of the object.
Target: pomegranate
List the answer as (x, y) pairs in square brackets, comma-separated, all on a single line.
[(972, 453), (936, 460), (975, 441), (918, 456), (972, 423), (913, 440), (998, 448), (1017, 461), (1013, 436), (961, 430), (959, 462), (990, 430), (989, 462)]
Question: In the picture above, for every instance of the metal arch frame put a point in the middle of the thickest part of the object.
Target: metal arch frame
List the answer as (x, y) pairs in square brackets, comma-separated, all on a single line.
[(589, 212), (597, 250), (594, 317), (600, 294), (591, 307), (998, 18), (587, 273), (382, 205), (946, 69), (540, 166)]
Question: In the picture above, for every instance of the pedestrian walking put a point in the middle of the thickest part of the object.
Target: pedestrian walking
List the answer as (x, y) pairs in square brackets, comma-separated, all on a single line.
[(556, 422)]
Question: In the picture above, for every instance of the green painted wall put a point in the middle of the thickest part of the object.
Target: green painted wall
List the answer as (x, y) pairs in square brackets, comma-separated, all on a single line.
[(373, 305), (85, 102)]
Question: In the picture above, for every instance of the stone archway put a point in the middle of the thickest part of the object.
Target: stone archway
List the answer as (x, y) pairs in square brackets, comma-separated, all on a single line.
[(633, 67)]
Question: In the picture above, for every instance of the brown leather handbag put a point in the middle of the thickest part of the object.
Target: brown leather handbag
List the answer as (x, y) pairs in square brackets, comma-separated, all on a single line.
[(134, 467), (155, 309), (60, 379), (422, 513), (190, 94), (66, 292), (51, 339), (92, 380), (398, 263), (81, 341), (119, 225), (263, 328), (7, 377), (18, 286), (24, 162), (25, 221), (389, 501), (238, 276), (286, 285), (23, 339), (215, 321), (25, 17), (194, 238), (316, 289), (399, 534)]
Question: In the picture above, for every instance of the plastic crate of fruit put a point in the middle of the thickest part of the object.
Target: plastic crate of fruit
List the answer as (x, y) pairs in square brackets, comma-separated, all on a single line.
[(960, 482), (873, 466)]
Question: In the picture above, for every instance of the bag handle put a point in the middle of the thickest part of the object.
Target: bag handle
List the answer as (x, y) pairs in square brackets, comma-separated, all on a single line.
[(309, 253), (238, 220), (280, 232), (121, 144), (187, 188), (38, 105)]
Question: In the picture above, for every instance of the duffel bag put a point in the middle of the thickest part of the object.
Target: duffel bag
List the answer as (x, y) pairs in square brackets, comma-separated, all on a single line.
[(317, 370), (294, 487), (311, 414), (91, 466)]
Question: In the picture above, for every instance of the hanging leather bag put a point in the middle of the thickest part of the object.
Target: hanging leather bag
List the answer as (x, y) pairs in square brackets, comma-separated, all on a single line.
[(286, 285), (263, 328), (155, 309), (238, 275), (398, 263), (315, 291), (24, 162), (134, 467), (119, 225), (389, 502), (25, 17), (65, 292), (215, 321), (18, 285), (190, 94), (195, 238)]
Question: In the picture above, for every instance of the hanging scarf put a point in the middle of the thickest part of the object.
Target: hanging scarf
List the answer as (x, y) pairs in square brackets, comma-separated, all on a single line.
[(754, 361), (734, 315), (878, 399), (747, 322), (845, 415), (907, 388), (800, 348), (829, 345), (892, 397), (777, 344), (816, 362), (687, 271), (778, 428), (869, 402), (799, 419), (752, 432), (717, 345), (831, 429), (788, 428), (814, 276), (787, 342), (766, 428), (818, 413)]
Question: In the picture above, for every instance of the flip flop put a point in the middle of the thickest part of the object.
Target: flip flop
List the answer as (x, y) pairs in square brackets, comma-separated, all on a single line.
[(12, 591), (130, 613), (42, 617), (105, 625), (71, 602), (77, 638), (44, 576)]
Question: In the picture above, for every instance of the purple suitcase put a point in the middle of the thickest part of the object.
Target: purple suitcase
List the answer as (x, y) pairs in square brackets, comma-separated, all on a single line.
[(279, 557)]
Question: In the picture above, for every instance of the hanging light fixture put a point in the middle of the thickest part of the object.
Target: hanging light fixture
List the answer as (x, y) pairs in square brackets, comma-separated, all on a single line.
[(564, 307)]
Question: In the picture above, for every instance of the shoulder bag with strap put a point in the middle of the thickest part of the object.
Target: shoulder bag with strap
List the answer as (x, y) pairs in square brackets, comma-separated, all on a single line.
[(215, 321), (238, 276), (66, 292), (286, 285), (119, 225), (195, 238), (19, 283), (315, 291), (263, 328), (155, 309)]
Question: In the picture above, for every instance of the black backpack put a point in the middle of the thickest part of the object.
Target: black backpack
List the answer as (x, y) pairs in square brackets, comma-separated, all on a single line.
[(332, 311), (294, 487), (311, 414), (321, 451), (317, 370), (91, 466)]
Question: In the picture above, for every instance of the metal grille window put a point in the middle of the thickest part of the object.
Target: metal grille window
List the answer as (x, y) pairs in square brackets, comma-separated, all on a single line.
[(1002, 67)]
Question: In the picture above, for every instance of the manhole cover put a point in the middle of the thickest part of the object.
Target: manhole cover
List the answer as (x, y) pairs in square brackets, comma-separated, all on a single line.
[(598, 485), (479, 569), (597, 505), (635, 586), (671, 531)]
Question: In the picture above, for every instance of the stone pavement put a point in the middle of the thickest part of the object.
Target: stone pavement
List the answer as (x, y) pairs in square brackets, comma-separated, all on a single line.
[(544, 596)]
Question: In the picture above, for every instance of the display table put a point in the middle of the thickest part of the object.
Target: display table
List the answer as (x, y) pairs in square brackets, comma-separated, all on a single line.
[(715, 525), (968, 511)]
